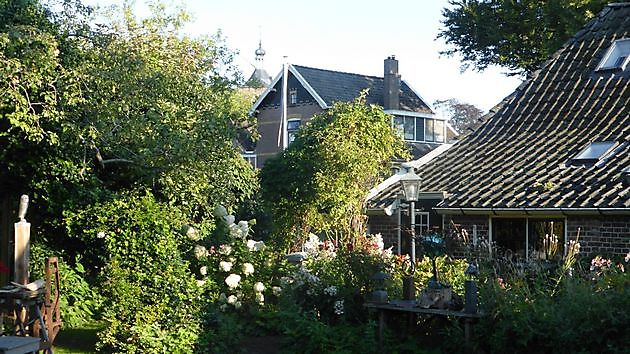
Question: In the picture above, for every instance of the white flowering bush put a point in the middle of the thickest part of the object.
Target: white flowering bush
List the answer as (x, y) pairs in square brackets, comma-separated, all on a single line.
[(238, 265), (333, 282)]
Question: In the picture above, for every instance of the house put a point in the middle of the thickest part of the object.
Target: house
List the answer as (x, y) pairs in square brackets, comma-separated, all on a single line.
[(552, 162), (312, 90)]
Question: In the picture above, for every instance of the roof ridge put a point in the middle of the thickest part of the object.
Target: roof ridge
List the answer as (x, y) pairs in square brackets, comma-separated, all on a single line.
[(336, 71)]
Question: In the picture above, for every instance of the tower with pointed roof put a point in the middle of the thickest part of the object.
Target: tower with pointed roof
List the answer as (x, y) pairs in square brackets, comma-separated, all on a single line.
[(259, 78)]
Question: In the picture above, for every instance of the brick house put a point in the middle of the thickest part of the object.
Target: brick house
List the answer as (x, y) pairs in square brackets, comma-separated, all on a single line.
[(312, 90), (553, 159)]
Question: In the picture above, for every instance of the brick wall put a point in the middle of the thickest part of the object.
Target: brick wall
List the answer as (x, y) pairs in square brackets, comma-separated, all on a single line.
[(387, 226), (601, 235)]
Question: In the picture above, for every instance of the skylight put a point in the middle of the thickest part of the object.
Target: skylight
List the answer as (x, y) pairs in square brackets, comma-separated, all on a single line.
[(617, 56), (594, 151)]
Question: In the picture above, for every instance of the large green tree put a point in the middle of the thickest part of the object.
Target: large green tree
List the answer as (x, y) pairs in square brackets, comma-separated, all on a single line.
[(517, 35), (319, 183)]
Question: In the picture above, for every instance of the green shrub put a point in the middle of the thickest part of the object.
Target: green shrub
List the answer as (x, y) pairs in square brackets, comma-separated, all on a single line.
[(152, 302)]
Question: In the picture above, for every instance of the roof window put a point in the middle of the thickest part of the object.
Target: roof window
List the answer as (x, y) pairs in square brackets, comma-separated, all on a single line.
[(594, 152), (617, 56)]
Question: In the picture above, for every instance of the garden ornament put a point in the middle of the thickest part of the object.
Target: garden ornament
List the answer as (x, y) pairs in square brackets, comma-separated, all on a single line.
[(379, 295), (23, 207)]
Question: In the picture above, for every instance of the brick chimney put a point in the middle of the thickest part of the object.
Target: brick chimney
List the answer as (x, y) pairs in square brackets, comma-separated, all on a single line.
[(391, 89)]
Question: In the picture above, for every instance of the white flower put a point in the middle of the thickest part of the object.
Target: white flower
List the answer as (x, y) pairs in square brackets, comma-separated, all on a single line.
[(339, 307), (378, 241), (200, 251), (244, 226), (259, 246), (331, 290), (237, 305), (232, 299), (627, 258), (311, 246), (220, 211), (232, 280), (203, 270), (225, 266), (229, 219), (201, 283), (248, 268), (222, 297), (100, 234), (260, 298), (276, 290), (236, 232), (259, 287), (192, 233), (223, 307), (255, 245), (225, 250)]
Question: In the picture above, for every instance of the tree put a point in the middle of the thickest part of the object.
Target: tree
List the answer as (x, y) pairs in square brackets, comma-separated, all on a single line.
[(320, 181), (517, 35), (461, 116)]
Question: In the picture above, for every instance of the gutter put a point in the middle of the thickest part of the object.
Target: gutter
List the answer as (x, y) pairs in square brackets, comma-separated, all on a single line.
[(532, 211)]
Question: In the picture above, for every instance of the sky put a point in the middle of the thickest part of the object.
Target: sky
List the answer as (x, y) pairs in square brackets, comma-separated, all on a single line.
[(347, 35)]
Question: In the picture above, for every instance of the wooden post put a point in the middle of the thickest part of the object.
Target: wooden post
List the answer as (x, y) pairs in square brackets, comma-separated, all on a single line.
[(22, 244)]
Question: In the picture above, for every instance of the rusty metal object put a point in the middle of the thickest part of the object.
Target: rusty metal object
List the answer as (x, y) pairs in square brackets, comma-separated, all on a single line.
[(50, 308)]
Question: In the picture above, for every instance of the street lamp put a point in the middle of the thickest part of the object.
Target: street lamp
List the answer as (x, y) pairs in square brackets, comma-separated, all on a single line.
[(411, 186)]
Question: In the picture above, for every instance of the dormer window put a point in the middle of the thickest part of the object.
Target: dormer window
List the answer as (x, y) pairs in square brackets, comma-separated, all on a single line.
[(617, 56), (594, 152)]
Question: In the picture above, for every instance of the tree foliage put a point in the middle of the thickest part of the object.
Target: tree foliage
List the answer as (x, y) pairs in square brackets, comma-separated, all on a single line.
[(517, 35), (461, 116), (320, 182)]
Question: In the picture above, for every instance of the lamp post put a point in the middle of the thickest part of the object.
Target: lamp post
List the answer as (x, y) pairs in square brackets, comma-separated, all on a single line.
[(411, 186)]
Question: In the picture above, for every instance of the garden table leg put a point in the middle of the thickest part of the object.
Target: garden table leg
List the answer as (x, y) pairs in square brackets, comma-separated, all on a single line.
[(467, 330)]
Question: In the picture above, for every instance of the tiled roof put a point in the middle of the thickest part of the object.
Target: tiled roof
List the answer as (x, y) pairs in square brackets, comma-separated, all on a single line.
[(520, 157), (333, 86)]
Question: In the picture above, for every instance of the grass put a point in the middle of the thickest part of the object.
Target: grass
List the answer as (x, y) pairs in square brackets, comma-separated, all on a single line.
[(77, 340)]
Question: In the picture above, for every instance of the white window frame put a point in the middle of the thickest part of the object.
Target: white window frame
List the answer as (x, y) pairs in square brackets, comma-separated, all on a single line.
[(293, 96), (424, 127), (291, 132), (619, 48), (250, 156)]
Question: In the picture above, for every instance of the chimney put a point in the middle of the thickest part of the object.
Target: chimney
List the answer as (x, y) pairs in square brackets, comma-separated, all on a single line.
[(391, 89)]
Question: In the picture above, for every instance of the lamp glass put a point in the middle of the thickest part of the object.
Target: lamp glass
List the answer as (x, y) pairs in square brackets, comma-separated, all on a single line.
[(410, 185)]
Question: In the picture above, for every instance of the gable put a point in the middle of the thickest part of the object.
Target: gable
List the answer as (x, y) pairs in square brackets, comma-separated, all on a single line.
[(273, 98)]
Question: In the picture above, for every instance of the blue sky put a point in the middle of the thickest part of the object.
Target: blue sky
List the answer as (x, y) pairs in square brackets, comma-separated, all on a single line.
[(347, 35)]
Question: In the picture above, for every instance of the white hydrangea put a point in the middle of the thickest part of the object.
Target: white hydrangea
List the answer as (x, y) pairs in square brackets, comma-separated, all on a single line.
[(236, 231), (248, 268), (100, 234), (225, 250), (255, 245), (232, 280), (232, 299), (200, 252), (225, 266), (192, 233), (331, 290), (244, 226), (201, 283), (260, 298), (339, 307), (223, 307), (222, 298), (203, 270), (311, 246), (276, 290), (237, 305), (259, 287)]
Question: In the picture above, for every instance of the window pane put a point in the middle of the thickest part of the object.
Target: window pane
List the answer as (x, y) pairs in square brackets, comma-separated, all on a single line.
[(293, 124), (420, 129), (399, 126), (509, 235), (439, 131), (546, 239), (410, 128), (428, 136), (595, 150)]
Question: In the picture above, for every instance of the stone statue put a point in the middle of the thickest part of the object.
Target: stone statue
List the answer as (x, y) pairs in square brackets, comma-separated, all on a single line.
[(23, 207)]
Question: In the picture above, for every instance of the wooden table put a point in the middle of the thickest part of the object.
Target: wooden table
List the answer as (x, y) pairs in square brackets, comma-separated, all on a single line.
[(18, 345), (410, 307)]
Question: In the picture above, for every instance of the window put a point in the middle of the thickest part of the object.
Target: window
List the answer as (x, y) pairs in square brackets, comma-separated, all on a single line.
[(250, 157), (419, 129), (594, 151), (617, 56), (293, 96), (438, 130), (529, 237), (292, 127), (429, 134)]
